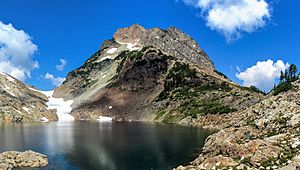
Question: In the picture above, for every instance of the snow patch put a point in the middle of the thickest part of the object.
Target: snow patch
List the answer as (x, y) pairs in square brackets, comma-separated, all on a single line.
[(104, 58), (105, 119), (131, 46), (295, 142), (112, 50), (26, 109), (63, 107), (7, 89), (18, 111), (44, 119), (33, 89)]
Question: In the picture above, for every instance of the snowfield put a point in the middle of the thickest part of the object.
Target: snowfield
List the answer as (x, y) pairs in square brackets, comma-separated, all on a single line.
[(112, 50), (63, 107)]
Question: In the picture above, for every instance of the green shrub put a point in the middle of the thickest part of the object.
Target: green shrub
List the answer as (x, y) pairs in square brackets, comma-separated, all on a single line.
[(283, 87), (255, 89)]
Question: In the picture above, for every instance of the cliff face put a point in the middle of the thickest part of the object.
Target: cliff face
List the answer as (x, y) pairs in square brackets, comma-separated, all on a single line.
[(21, 103), (157, 75), (171, 41)]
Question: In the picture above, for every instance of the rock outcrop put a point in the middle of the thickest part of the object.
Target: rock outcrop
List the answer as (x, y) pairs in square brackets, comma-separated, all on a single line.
[(171, 41), (28, 159), (22, 103), (264, 136)]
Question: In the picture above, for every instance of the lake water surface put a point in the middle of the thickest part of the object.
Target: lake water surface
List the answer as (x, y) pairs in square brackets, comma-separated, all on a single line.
[(111, 146)]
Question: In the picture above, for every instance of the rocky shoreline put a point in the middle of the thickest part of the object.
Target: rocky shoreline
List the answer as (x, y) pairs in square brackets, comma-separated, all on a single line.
[(29, 159), (264, 136)]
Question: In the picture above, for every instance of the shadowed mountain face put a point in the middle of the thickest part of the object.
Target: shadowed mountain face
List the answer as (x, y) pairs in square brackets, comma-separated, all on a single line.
[(152, 75)]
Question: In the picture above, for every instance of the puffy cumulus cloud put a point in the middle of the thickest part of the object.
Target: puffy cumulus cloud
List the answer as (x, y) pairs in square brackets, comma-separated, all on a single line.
[(62, 65), (262, 75), (233, 17), (56, 81), (16, 52)]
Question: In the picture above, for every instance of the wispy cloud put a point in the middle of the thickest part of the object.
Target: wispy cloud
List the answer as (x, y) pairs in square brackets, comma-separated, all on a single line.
[(16, 52), (56, 81), (233, 17), (62, 65), (262, 75)]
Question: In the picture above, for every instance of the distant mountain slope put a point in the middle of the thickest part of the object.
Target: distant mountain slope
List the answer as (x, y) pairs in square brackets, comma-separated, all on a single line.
[(21, 103), (154, 75)]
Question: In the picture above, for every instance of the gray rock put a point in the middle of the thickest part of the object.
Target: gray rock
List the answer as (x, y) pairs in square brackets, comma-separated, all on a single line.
[(171, 41), (30, 159), (22, 103)]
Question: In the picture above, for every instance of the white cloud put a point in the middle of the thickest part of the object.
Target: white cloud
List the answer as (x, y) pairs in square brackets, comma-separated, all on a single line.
[(262, 75), (233, 17), (62, 65), (16, 52), (56, 81)]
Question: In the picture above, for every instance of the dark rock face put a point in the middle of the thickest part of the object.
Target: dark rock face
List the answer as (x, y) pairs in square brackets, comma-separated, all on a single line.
[(142, 74), (171, 41), (126, 97)]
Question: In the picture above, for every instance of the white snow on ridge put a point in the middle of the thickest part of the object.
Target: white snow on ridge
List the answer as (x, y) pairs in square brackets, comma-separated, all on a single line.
[(104, 58), (33, 89), (112, 50), (63, 107), (131, 46)]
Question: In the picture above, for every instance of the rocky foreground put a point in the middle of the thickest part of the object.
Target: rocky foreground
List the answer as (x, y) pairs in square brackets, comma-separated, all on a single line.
[(264, 136), (28, 159)]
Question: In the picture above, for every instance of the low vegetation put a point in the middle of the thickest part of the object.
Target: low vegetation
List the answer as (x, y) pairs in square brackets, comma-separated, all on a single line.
[(187, 89), (286, 79)]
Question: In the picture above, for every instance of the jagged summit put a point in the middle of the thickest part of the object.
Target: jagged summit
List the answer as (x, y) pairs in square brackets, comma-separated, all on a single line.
[(172, 41)]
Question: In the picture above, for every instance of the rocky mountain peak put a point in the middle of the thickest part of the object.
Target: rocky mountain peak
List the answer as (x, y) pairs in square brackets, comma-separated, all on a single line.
[(172, 41), (132, 34)]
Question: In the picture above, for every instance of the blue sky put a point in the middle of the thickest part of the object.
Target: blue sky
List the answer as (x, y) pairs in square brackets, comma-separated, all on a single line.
[(74, 29)]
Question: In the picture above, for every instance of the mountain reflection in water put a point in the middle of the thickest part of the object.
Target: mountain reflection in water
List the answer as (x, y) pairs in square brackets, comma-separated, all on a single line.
[(93, 145)]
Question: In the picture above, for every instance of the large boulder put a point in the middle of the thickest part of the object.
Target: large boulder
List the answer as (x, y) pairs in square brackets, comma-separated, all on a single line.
[(29, 159)]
